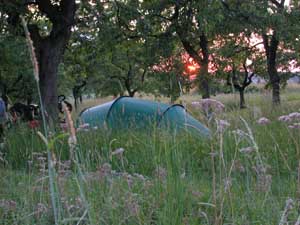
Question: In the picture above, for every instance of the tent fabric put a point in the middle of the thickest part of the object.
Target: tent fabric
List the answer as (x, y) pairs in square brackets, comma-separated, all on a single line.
[(139, 114)]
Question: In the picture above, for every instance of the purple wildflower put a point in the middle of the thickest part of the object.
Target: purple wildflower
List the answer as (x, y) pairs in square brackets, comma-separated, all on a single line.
[(284, 118), (208, 105), (294, 126), (105, 171), (41, 209), (197, 194), (263, 121), (294, 115), (8, 205), (222, 125), (238, 166)]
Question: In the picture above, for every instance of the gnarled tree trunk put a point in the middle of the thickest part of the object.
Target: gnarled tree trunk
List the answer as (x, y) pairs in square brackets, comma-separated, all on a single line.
[(204, 81), (271, 47)]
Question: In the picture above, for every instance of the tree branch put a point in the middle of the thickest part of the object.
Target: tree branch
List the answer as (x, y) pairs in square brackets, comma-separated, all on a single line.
[(266, 44), (277, 4), (246, 73), (186, 44), (234, 80), (143, 75), (249, 80), (204, 47)]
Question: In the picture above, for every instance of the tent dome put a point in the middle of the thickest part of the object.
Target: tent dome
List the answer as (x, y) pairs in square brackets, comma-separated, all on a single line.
[(138, 114)]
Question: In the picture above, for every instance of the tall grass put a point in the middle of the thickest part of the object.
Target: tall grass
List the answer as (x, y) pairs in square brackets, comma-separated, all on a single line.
[(161, 179), (247, 173)]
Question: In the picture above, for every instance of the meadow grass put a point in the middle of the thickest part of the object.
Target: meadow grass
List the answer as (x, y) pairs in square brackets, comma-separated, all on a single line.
[(160, 178)]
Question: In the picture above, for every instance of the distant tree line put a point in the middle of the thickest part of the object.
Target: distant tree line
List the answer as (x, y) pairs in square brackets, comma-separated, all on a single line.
[(117, 47)]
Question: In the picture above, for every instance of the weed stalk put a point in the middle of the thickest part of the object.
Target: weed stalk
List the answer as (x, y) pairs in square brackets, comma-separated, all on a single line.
[(51, 171)]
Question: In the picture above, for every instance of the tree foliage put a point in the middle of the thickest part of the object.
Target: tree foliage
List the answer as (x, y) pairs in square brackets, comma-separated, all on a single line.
[(124, 47)]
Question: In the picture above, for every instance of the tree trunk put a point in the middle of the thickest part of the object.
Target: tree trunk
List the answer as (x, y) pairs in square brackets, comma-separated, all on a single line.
[(204, 81), (49, 59), (271, 50), (242, 99), (275, 81), (131, 93), (204, 76), (49, 50), (75, 101)]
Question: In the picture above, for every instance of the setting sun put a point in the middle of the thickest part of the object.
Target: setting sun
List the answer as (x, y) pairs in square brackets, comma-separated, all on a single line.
[(191, 68)]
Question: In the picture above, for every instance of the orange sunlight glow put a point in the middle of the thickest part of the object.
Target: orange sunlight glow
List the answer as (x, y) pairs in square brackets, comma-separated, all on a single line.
[(191, 68)]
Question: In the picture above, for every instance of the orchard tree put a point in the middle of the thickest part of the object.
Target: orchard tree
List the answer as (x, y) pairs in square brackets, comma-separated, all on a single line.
[(195, 24), (238, 59), (122, 50), (238, 84), (50, 24), (274, 21)]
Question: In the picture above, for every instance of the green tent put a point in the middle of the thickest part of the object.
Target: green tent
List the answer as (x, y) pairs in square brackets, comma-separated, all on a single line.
[(137, 114)]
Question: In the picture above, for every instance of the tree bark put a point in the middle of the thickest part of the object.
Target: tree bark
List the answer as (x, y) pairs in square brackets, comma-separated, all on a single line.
[(49, 58), (204, 81), (204, 77), (242, 99), (271, 47)]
